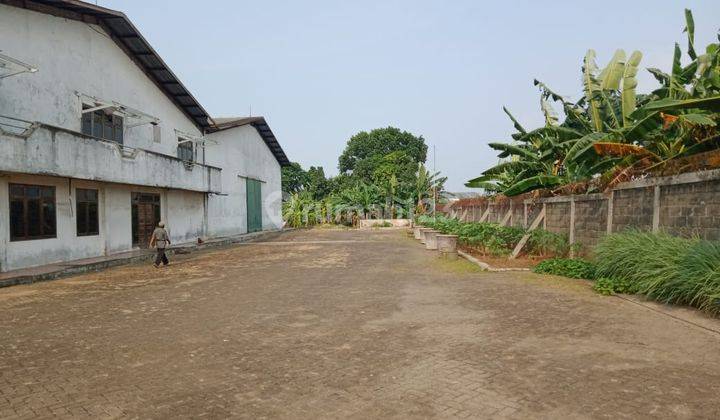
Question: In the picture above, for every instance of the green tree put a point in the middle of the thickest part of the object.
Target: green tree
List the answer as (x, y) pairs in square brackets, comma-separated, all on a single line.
[(293, 178), (365, 150), (316, 183)]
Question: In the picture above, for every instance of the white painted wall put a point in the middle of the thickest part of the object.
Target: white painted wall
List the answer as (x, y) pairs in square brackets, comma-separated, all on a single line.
[(43, 251), (68, 154), (184, 215), (74, 56), (182, 211), (241, 151)]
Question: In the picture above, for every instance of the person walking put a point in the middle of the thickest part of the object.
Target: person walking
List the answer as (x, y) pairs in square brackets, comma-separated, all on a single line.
[(160, 240)]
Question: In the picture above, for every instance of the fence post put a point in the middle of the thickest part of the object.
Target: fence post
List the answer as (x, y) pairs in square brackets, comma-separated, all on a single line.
[(656, 209), (524, 239), (544, 210), (610, 212), (525, 215), (572, 227)]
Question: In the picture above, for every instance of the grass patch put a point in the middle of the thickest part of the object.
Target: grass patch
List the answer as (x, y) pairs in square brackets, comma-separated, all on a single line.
[(662, 267), (573, 268), (459, 266)]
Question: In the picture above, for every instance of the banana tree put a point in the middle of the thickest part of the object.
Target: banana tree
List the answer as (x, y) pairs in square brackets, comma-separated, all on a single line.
[(427, 185)]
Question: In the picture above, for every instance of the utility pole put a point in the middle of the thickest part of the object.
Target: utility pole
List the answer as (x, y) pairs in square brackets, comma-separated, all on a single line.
[(434, 184)]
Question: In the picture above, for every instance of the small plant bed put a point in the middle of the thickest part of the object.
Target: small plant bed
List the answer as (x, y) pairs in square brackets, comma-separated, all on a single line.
[(566, 267), (492, 243)]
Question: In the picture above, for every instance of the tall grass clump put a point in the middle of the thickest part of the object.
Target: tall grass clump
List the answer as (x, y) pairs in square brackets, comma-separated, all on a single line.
[(663, 267)]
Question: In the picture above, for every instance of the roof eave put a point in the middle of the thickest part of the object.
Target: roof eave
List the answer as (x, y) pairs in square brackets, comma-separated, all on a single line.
[(130, 40)]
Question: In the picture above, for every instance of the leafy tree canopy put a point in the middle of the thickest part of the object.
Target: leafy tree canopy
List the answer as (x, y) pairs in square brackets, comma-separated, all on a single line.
[(365, 150), (381, 173), (294, 178)]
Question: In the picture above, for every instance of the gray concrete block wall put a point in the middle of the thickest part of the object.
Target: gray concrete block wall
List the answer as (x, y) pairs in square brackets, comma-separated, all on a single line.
[(494, 215), (688, 205), (633, 209), (501, 210), (691, 209), (518, 214), (533, 212), (590, 222), (557, 218)]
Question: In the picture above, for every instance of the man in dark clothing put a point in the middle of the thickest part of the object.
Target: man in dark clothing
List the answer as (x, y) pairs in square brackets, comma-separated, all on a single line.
[(160, 240)]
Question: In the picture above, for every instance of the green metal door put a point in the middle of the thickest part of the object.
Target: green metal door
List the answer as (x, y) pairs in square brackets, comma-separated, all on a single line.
[(254, 205)]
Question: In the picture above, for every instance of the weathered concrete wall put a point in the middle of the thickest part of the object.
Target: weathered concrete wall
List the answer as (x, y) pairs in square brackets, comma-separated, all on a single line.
[(518, 214), (74, 57), (590, 222), (685, 205), (62, 153), (182, 211), (557, 218), (633, 209), (185, 215), (691, 209), (242, 153)]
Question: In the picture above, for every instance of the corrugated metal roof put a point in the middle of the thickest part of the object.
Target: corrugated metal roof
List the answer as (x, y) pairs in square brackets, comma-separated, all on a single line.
[(130, 40), (262, 128)]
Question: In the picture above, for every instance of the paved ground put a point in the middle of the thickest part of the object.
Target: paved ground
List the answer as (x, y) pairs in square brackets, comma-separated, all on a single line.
[(368, 325)]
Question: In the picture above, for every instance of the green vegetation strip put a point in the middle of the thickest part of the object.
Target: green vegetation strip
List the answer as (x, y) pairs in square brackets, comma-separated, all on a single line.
[(659, 266), (496, 240)]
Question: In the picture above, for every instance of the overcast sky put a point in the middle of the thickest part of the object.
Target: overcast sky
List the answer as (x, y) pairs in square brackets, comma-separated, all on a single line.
[(320, 71)]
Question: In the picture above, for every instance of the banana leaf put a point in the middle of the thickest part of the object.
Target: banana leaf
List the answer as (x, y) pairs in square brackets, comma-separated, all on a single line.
[(512, 166), (516, 124), (488, 186), (573, 111), (680, 76), (629, 84), (707, 104), (559, 132), (690, 29), (642, 127), (614, 116), (551, 117), (533, 183), (612, 74), (660, 75), (585, 144), (709, 143), (698, 119), (511, 149), (591, 87)]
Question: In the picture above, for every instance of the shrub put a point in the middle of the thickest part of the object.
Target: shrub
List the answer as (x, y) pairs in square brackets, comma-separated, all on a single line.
[(382, 225), (609, 286), (573, 268), (496, 240), (663, 267), (542, 242)]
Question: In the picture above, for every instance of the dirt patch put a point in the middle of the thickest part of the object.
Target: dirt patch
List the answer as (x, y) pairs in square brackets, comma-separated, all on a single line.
[(523, 261)]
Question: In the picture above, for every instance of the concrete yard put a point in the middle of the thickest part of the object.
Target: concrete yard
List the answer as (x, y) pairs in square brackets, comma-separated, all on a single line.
[(335, 324)]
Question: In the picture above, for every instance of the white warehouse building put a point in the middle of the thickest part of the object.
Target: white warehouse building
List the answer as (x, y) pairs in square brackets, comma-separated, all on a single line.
[(99, 141)]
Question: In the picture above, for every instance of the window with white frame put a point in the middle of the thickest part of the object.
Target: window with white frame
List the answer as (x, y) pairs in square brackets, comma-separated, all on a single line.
[(186, 150), (103, 124)]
